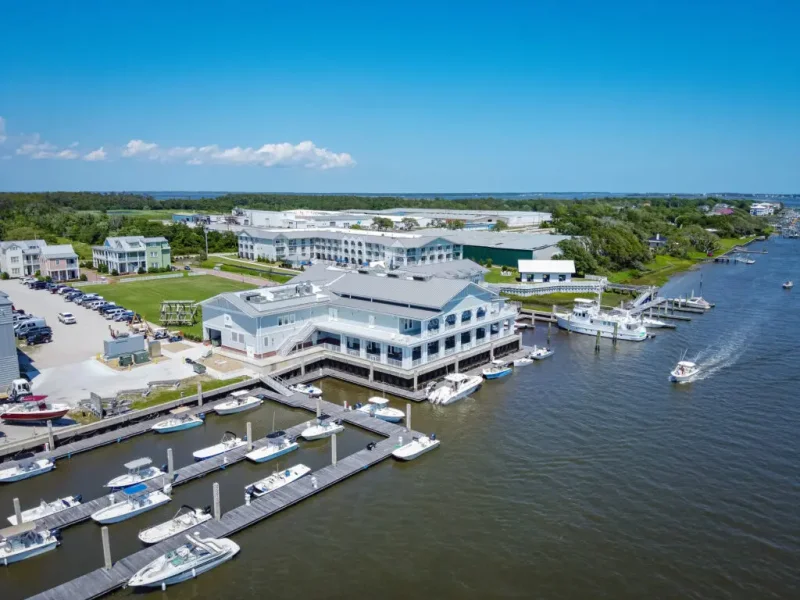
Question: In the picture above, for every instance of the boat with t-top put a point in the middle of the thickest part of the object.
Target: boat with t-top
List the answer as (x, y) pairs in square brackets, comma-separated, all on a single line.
[(684, 371), (324, 427), (24, 541), (454, 387), (588, 318), (277, 445), (230, 441), (139, 471), (306, 388), (45, 509), (240, 401), (497, 369), (136, 500), (180, 420), (787, 285), (379, 408), (538, 353)]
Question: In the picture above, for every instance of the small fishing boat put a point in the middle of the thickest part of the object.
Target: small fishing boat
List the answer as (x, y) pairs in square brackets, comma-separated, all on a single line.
[(186, 518), (179, 421), (524, 325), (276, 480), (540, 353), (324, 427), (139, 471), (240, 401), (416, 447), (45, 509), (230, 441), (454, 387), (34, 410), (651, 323), (27, 466), (137, 499), (521, 362), (787, 285), (24, 541), (277, 445), (185, 562), (498, 368), (379, 408), (744, 260), (684, 371), (306, 388)]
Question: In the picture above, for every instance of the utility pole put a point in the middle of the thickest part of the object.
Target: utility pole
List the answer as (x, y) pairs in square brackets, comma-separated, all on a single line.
[(205, 234)]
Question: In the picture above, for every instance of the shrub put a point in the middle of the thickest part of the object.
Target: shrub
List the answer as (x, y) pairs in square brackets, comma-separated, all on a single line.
[(489, 263), (84, 277), (114, 273), (4, 276), (142, 271)]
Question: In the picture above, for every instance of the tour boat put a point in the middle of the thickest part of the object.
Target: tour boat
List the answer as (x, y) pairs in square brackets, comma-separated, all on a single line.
[(498, 368), (185, 562), (521, 362), (379, 408), (34, 410), (541, 353), (453, 388), (651, 323), (186, 518), (684, 371), (137, 499), (230, 441), (277, 445), (322, 429), (139, 470), (240, 401), (45, 509), (27, 466), (276, 480), (587, 318), (416, 447), (24, 541), (788, 285), (178, 421), (306, 388)]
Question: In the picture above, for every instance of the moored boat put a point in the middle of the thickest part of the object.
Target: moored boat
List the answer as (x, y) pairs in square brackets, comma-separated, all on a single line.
[(499, 368), (45, 509), (230, 441), (276, 480), (379, 408), (24, 541), (416, 447), (324, 427), (306, 388), (522, 362), (186, 518), (541, 353), (454, 387), (34, 410), (277, 445), (240, 401), (27, 466), (179, 421), (139, 470), (651, 323), (587, 318), (137, 499)]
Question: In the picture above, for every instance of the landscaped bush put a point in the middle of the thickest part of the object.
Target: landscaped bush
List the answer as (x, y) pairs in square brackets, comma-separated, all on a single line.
[(114, 273), (84, 277), (142, 271), (4, 276)]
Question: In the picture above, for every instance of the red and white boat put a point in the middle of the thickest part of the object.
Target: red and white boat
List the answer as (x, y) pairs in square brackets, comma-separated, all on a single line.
[(32, 411)]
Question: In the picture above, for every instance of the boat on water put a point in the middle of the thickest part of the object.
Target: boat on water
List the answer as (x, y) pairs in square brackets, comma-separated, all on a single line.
[(179, 421), (306, 388), (34, 410), (197, 556), (276, 480), (744, 260), (27, 466), (454, 387), (651, 323), (522, 362), (277, 445), (540, 353), (324, 427), (240, 401), (524, 325), (186, 518), (787, 285), (45, 509), (499, 368), (230, 441), (694, 302), (379, 408), (416, 447), (587, 318), (139, 471), (137, 499), (24, 541), (684, 371)]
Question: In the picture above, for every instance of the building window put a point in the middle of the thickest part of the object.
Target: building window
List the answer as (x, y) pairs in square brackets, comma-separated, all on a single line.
[(15, 271), (285, 320), (14, 259), (237, 338)]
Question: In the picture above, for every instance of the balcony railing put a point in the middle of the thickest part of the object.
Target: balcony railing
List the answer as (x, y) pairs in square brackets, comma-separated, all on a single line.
[(466, 346), (494, 336), (432, 355), (395, 362), (416, 362), (332, 347), (354, 352), (374, 357), (449, 351), (449, 325)]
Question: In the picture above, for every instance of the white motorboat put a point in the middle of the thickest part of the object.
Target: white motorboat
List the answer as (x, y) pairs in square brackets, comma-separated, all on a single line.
[(379, 408), (34, 409), (24, 541), (230, 441), (137, 499), (276, 480), (744, 260), (521, 362), (684, 371), (454, 387), (324, 427), (416, 447), (651, 323), (240, 401), (27, 466), (186, 518), (179, 421), (524, 325), (277, 445), (306, 388), (787, 285), (587, 318), (497, 369), (45, 509), (185, 562), (139, 471), (540, 353)]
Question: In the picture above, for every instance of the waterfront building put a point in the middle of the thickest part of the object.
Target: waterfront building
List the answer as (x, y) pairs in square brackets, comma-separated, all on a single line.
[(762, 209), (544, 271), (503, 248), (9, 363), (131, 253), (409, 328), (25, 258)]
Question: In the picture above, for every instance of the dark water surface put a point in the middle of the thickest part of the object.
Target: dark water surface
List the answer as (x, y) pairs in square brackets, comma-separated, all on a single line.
[(584, 476)]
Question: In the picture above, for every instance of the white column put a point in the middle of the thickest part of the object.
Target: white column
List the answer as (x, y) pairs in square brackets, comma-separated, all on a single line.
[(384, 349), (362, 344)]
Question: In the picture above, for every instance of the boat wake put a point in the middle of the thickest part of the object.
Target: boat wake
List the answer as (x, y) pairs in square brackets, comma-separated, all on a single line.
[(714, 359)]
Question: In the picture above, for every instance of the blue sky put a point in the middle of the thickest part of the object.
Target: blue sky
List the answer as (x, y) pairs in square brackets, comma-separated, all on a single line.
[(411, 97)]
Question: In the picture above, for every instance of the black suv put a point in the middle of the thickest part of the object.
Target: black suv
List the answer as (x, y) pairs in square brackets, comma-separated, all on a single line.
[(39, 336)]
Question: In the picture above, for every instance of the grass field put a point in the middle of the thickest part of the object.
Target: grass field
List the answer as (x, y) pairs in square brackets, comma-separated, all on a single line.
[(564, 300), (494, 276), (186, 388), (242, 269), (145, 297), (84, 251)]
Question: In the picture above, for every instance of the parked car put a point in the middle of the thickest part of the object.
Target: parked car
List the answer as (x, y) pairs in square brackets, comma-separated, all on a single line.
[(175, 338), (23, 328), (109, 307), (187, 268), (98, 304), (39, 337), (38, 285), (113, 313), (67, 318), (73, 296), (125, 317), (20, 318), (66, 290), (85, 299)]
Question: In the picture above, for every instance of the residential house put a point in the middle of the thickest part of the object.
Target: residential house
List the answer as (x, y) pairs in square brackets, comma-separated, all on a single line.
[(60, 263), (657, 241), (722, 209), (131, 253), (26, 258), (762, 209)]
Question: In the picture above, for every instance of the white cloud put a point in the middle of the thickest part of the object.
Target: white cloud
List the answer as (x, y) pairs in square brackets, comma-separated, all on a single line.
[(95, 155), (2, 130), (139, 148), (36, 149)]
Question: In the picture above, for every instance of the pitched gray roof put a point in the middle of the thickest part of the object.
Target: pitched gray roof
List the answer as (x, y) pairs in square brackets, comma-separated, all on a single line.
[(454, 269), (59, 251), (509, 240), (386, 309), (319, 272), (433, 293)]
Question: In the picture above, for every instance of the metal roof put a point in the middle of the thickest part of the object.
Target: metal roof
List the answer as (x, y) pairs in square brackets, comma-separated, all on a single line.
[(385, 309), (319, 272), (502, 239), (59, 251), (546, 266), (18, 529), (433, 293), (453, 269), (386, 238)]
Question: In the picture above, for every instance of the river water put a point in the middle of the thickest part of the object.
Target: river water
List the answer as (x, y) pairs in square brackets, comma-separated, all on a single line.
[(584, 476)]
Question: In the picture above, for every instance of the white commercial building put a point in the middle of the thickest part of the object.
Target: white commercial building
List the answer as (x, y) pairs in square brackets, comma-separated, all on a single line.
[(762, 209), (544, 271)]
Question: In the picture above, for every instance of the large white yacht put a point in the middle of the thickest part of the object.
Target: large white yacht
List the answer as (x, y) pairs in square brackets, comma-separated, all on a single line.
[(587, 317)]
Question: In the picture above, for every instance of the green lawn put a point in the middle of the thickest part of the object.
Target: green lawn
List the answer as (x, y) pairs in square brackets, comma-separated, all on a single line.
[(565, 300), (494, 276), (84, 251), (232, 260), (188, 388), (244, 269), (145, 296)]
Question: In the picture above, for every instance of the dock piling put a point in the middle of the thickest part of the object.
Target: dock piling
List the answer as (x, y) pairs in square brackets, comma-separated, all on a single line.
[(319, 409), (17, 511), (50, 440), (217, 512), (549, 328), (408, 416), (106, 548), (597, 342), (333, 449), (616, 331), (249, 436), (199, 394), (170, 464)]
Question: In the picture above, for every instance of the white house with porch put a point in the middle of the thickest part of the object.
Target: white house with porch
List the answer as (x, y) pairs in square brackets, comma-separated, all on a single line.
[(545, 271)]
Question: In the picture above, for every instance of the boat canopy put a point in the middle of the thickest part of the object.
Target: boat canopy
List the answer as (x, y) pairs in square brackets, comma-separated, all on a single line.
[(239, 393), (379, 401), (16, 530), (456, 377), (499, 362), (686, 363), (583, 301), (132, 490), (180, 410), (138, 463), (275, 434)]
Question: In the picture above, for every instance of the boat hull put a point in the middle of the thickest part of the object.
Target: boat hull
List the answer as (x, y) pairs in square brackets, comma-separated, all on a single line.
[(576, 327), (233, 549), (522, 362), (32, 514), (455, 397), (261, 456), (174, 428), (223, 409), (28, 552), (542, 356), (394, 416), (106, 516), (213, 451), (162, 532), (497, 374), (414, 450), (308, 435), (124, 481), (33, 417), (10, 476), (681, 378)]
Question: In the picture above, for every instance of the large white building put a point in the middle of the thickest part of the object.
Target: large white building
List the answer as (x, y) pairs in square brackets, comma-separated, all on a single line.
[(762, 209), (545, 271), (26, 258), (130, 254)]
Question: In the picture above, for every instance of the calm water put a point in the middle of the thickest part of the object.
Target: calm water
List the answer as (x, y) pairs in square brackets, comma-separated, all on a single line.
[(585, 476)]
